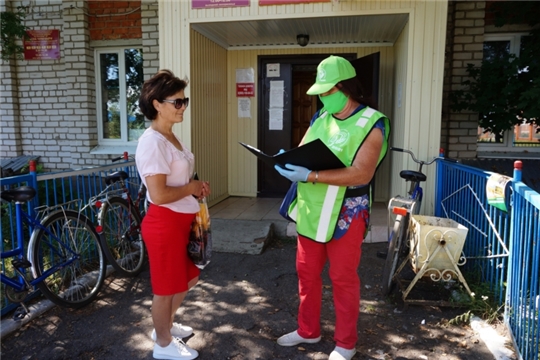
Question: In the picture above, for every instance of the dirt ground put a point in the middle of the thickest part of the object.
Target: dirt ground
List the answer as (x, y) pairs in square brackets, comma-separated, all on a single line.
[(242, 304)]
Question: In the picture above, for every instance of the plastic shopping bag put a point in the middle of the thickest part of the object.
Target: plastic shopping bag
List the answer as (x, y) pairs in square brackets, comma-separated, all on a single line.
[(200, 237)]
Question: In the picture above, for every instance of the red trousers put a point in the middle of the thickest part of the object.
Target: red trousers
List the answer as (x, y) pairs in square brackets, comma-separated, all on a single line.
[(343, 255)]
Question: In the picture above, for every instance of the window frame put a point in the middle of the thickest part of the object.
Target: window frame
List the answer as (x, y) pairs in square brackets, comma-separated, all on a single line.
[(112, 146), (493, 149)]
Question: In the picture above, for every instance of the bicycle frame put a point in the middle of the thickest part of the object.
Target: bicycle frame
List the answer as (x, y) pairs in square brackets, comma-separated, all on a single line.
[(123, 191), (35, 224)]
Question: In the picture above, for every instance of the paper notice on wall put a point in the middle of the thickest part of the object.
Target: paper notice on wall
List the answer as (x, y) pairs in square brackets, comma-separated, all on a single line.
[(275, 119), (245, 75), (496, 190), (244, 107)]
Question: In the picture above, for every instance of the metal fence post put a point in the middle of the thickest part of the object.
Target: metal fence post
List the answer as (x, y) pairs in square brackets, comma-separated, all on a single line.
[(32, 167)]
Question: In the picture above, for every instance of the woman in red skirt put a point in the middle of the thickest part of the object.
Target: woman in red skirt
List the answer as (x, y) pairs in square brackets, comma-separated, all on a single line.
[(166, 167)]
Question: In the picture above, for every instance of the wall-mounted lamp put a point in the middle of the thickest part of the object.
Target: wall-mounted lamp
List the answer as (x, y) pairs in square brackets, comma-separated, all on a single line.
[(302, 39)]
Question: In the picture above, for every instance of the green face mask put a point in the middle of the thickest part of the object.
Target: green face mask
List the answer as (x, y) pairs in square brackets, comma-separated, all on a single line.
[(335, 102)]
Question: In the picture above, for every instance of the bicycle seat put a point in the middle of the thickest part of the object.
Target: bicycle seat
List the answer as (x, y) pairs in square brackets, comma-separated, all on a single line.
[(116, 176), (22, 194), (410, 175)]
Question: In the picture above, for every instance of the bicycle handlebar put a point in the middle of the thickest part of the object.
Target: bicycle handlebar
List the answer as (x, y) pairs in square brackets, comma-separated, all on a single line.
[(421, 162)]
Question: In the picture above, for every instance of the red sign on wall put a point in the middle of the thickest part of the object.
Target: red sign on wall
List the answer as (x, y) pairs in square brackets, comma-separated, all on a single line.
[(245, 89), (42, 45)]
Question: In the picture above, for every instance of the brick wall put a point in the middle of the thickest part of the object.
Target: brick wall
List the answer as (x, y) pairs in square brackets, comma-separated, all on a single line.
[(460, 129), (112, 20), (150, 39), (48, 107)]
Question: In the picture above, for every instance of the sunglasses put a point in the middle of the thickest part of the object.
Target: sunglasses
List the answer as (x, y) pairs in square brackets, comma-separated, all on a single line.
[(178, 103)]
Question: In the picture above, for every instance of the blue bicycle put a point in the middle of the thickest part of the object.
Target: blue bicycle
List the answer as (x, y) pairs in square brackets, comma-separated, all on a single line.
[(64, 255), (402, 207)]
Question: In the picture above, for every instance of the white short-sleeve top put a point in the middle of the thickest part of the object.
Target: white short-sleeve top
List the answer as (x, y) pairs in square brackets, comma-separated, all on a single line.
[(156, 155)]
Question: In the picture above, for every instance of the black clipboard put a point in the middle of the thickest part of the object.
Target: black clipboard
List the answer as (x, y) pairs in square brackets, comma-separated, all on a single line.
[(314, 155)]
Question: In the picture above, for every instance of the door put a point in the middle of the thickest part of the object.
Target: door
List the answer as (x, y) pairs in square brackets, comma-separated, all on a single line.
[(303, 105), (367, 70), (275, 127)]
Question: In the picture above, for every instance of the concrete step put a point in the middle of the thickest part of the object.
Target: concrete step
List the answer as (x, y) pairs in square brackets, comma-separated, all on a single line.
[(241, 236), (253, 236)]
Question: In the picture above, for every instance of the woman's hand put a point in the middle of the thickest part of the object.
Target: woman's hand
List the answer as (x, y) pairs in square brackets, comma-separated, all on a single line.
[(200, 189)]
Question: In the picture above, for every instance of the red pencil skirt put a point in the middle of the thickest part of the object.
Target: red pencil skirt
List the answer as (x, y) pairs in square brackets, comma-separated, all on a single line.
[(166, 236)]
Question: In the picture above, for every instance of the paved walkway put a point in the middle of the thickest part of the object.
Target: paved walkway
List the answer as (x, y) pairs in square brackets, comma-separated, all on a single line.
[(241, 305)]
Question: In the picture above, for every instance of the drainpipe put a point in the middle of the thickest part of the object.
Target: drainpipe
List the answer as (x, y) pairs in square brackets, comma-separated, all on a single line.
[(450, 75)]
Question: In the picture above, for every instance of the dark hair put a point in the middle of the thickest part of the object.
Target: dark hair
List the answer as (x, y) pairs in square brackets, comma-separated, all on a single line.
[(353, 87), (158, 87)]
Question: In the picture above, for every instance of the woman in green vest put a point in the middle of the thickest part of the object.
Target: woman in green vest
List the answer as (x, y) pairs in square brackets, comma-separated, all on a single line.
[(332, 206)]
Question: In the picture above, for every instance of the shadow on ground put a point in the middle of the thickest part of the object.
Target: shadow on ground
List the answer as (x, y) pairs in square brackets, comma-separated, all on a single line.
[(242, 304)]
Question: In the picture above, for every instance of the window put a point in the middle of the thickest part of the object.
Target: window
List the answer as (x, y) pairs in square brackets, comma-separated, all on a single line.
[(119, 79), (524, 135)]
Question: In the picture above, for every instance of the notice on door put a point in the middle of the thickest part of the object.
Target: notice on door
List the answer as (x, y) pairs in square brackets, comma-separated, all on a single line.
[(272, 70), (275, 119), (275, 112)]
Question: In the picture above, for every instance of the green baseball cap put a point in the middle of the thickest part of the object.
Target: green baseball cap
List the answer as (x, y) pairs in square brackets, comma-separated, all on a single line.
[(330, 71)]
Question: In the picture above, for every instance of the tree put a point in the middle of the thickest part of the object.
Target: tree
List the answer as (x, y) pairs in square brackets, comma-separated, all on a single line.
[(11, 29), (505, 89)]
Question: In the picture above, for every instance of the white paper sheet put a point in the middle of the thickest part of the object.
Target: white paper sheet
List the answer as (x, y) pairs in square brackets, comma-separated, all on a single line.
[(244, 108)]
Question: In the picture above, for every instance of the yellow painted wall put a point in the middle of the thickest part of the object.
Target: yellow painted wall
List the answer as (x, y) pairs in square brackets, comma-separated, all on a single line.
[(208, 103)]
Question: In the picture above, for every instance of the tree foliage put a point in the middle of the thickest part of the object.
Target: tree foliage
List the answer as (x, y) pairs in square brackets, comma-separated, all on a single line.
[(12, 29), (505, 89)]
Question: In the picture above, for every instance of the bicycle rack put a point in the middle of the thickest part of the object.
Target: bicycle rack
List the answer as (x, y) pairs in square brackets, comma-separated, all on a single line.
[(436, 253)]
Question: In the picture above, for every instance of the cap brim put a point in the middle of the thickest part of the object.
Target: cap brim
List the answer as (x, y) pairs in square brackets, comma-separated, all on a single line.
[(317, 89)]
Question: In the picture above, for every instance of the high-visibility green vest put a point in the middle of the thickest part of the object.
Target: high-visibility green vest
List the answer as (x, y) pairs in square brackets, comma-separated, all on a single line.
[(317, 206)]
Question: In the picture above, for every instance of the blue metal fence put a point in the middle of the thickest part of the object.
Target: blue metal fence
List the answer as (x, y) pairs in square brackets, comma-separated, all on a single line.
[(53, 189), (502, 247), (461, 196)]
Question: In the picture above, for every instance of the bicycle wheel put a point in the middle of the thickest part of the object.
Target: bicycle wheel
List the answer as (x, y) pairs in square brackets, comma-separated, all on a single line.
[(123, 244), (395, 247), (68, 252)]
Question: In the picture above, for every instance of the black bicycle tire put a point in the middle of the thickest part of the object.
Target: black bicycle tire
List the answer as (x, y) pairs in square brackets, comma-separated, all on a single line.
[(392, 255), (115, 249), (80, 282)]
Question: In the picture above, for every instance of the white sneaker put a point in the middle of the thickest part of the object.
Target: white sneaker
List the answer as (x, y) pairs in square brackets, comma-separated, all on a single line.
[(177, 330), (177, 349), (293, 338), (340, 353)]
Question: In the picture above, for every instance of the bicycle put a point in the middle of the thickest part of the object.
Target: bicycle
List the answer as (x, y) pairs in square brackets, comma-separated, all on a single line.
[(64, 255), (120, 218), (407, 205)]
